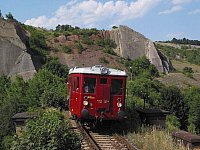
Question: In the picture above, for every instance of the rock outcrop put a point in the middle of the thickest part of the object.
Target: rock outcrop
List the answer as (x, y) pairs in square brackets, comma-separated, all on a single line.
[(131, 44), (14, 58)]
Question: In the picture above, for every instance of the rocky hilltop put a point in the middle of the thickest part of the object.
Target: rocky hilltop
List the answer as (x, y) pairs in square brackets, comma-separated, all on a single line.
[(14, 58), (131, 44)]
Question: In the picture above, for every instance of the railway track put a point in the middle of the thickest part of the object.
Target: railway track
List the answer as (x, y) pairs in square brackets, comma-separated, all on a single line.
[(102, 139)]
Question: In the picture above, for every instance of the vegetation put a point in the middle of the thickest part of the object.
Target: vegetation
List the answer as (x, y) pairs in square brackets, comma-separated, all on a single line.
[(152, 139), (185, 41), (44, 90), (49, 131), (9, 16), (190, 55), (80, 48), (66, 49), (37, 41), (103, 60), (182, 104)]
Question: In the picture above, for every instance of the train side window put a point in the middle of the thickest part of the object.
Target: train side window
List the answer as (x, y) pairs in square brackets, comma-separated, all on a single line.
[(116, 87), (76, 84), (89, 85), (103, 80)]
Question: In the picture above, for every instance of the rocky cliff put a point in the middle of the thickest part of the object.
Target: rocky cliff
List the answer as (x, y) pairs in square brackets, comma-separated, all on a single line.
[(14, 58), (131, 44)]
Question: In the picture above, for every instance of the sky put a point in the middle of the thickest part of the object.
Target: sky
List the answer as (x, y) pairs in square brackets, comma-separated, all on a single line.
[(158, 20)]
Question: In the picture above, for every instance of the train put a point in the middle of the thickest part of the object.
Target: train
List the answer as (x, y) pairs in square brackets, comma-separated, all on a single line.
[(97, 93)]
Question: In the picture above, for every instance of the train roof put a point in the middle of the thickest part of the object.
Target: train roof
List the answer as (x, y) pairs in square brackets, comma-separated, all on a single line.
[(98, 69)]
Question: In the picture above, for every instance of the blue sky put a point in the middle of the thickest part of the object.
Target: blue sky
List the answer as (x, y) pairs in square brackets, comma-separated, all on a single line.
[(156, 19)]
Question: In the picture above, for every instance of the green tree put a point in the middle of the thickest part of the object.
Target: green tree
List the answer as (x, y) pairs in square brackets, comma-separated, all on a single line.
[(49, 131), (79, 47), (9, 16), (43, 82), (191, 96), (173, 100)]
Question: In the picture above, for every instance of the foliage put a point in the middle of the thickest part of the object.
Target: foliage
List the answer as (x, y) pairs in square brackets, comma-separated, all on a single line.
[(191, 96), (48, 132), (9, 16), (114, 27), (12, 101), (103, 60), (7, 142), (87, 40), (56, 68), (172, 99), (184, 41), (0, 14), (143, 89), (142, 67), (66, 49), (37, 40), (172, 122), (190, 55), (41, 86), (79, 47), (187, 70), (76, 30), (152, 139)]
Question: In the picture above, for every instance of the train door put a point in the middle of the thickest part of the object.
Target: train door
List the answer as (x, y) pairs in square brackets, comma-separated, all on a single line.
[(116, 93), (103, 100), (74, 100)]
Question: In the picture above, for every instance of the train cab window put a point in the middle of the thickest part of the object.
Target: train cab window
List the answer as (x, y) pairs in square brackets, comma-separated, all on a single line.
[(103, 80), (116, 87), (89, 85), (76, 84)]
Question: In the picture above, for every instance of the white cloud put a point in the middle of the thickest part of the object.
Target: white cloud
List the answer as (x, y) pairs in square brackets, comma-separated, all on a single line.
[(175, 35), (194, 12), (95, 13), (179, 2), (172, 10)]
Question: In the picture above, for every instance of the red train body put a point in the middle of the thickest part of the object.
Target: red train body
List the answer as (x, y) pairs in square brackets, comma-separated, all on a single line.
[(97, 93)]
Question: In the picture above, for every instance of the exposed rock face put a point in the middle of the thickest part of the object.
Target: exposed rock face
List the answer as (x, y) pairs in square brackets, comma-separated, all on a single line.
[(14, 59), (131, 44)]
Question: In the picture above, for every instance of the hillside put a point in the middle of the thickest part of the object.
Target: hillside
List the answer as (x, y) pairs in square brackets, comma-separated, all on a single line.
[(182, 56)]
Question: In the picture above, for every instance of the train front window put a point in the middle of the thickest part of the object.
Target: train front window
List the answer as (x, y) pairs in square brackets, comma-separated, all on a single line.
[(116, 87), (89, 85)]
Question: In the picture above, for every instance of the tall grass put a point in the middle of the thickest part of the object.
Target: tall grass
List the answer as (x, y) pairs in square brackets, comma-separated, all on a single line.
[(153, 139)]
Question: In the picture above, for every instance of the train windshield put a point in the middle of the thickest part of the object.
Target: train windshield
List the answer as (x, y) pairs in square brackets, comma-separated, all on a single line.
[(89, 85), (116, 87)]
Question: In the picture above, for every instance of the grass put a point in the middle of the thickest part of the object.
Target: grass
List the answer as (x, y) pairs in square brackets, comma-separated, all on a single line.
[(153, 139), (179, 65)]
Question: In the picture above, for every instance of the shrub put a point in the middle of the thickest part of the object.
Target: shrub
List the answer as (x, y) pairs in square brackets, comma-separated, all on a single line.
[(79, 47), (49, 131), (103, 60), (66, 49), (172, 122), (187, 70)]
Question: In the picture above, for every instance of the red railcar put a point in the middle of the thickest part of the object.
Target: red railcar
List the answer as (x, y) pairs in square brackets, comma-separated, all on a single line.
[(97, 93)]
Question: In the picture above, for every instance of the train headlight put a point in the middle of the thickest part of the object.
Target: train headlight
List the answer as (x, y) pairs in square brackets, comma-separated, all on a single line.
[(85, 103), (119, 104)]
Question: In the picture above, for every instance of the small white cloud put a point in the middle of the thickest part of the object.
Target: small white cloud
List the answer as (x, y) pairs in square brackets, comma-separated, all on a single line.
[(194, 12), (175, 35), (172, 10), (179, 2), (95, 13)]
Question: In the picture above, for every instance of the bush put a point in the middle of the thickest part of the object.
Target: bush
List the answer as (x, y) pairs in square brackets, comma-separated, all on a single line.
[(49, 131), (103, 60), (66, 49), (187, 70), (172, 123), (79, 47)]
